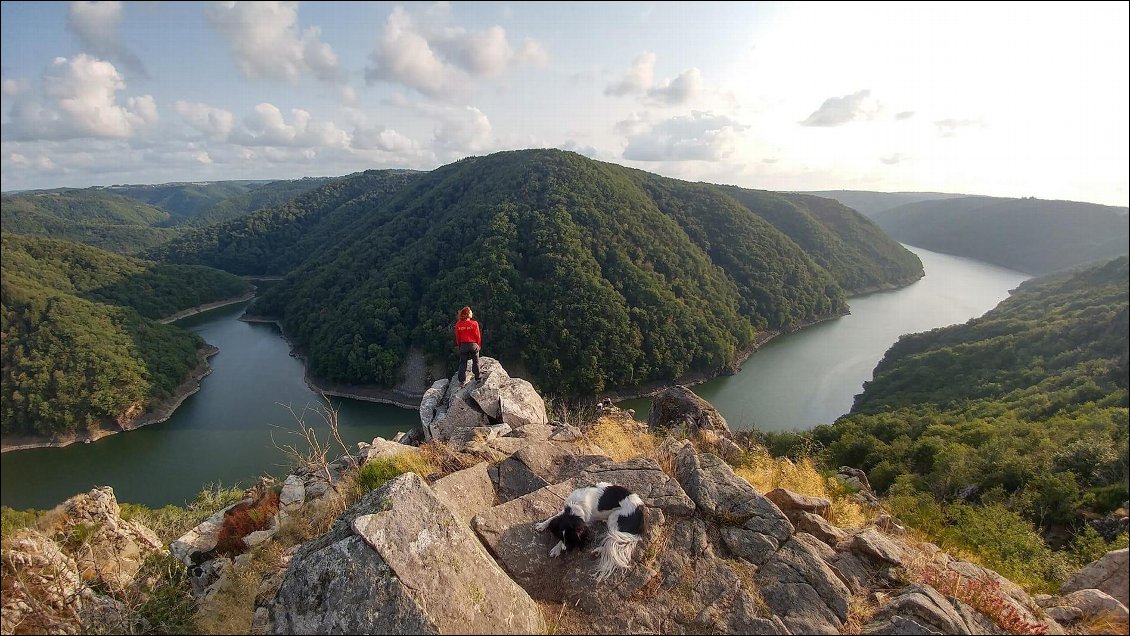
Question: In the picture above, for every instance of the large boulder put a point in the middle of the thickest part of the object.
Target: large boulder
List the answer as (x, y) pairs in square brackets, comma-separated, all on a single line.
[(678, 409), (109, 549), (1108, 574), (399, 561), (43, 592), (454, 412)]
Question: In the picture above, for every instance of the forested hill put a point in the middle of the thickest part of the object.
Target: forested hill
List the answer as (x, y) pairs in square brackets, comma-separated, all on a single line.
[(80, 348), (199, 204), (275, 240), (1023, 410), (871, 203), (1030, 235), (95, 217), (590, 275)]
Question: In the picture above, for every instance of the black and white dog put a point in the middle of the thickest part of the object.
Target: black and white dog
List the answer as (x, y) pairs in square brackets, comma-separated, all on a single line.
[(623, 511)]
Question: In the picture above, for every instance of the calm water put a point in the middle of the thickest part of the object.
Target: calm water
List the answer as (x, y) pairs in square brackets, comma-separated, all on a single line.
[(223, 434), (811, 377)]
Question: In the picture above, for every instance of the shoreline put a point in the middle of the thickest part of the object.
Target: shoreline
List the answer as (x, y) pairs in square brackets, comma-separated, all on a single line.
[(393, 397), (160, 412), (199, 309)]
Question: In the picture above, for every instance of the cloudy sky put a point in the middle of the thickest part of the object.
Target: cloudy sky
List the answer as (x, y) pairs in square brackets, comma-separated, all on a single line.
[(1009, 100)]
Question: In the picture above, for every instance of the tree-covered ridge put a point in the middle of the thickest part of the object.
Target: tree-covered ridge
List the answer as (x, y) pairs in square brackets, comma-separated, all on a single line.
[(1030, 235), (258, 197), (154, 290), (1024, 407), (77, 351), (588, 274), (275, 240), (100, 219), (850, 247), (184, 201)]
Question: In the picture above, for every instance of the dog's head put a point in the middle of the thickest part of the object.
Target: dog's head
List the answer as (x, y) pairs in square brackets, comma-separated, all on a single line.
[(570, 530)]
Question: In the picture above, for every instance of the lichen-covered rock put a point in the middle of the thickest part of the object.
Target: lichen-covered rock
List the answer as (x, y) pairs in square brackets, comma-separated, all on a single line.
[(399, 561), (111, 550), (467, 492), (1108, 574), (678, 409), (800, 588)]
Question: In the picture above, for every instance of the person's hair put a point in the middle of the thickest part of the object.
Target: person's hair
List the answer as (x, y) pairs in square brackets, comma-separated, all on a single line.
[(465, 313)]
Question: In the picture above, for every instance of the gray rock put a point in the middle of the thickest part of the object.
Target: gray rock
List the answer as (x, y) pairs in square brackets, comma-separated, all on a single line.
[(467, 492), (535, 432), (872, 543), (788, 500), (1108, 574), (293, 492), (1064, 614), (817, 526), (381, 448), (566, 433), (1096, 602), (202, 538), (854, 477), (727, 498), (898, 625), (430, 402), (520, 404), (800, 588), (677, 408), (399, 561), (925, 606), (645, 478)]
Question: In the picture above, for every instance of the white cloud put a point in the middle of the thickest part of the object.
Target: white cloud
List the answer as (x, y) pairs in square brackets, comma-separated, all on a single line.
[(440, 60), (215, 122), (463, 130), (532, 53), (836, 111), (679, 90), (588, 151), (635, 124), (97, 25), (79, 99), (638, 78), (268, 127), (702, 136), (267, 44), (383, 138)]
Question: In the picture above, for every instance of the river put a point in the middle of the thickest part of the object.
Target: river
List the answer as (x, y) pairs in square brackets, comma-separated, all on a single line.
[(223, 434), (799, 380), (227, 433)]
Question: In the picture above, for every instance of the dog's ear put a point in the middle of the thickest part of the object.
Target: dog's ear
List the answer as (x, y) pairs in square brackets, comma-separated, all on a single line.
[(582, 534)]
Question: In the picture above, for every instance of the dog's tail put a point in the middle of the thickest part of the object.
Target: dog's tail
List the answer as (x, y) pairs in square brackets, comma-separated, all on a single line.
[(615, 552)]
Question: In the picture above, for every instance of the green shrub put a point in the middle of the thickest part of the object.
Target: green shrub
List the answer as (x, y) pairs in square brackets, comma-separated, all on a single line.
[(374, 474), (12, 519)]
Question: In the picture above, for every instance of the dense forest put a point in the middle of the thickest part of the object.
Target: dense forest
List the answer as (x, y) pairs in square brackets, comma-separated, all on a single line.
[(1022, 412), (1029, 235), (129, 219), (80, 346), (588, 275)]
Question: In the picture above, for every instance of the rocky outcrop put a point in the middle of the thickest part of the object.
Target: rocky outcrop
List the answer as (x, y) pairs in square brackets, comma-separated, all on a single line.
[(679, 411), (1108, 574), (498, 404), (66, 582), (399, 561)]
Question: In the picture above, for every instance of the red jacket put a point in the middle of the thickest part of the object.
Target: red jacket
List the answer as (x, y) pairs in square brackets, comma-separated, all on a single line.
[(468, 331)]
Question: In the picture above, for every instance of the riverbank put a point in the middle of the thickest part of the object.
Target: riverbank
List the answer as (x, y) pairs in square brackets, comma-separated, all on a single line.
[(159, 412), (394, 397), (203, 308)]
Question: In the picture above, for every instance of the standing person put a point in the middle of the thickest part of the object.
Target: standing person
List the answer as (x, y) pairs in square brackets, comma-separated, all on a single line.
[(470, 341)]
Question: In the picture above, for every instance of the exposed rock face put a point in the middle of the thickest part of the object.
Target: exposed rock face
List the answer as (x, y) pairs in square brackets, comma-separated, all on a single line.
[(1108, 574), (49, 586), (113, 549), (677, 409), (399, 562), (453, 412)]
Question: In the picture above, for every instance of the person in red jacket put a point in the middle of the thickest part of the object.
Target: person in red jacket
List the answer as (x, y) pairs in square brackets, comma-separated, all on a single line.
[(470, 341)]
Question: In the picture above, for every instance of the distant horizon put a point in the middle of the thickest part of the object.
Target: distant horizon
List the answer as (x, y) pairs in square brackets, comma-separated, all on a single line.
[(337, 176)]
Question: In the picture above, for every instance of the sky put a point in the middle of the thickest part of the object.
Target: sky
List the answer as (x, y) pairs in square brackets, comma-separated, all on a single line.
[(1009, 99)]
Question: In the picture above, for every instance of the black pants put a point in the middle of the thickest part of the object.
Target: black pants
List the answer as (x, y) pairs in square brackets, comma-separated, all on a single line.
[(468, 350)]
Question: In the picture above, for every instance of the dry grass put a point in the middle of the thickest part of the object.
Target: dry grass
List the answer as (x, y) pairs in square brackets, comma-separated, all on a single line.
[(443, 460), (766, 473), (231, 609), (860, 612), (619, 437), (562, 618), (1105, 623)]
